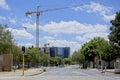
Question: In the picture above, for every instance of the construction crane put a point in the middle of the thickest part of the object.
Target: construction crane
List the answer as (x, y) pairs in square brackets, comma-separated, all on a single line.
[(37, 18)]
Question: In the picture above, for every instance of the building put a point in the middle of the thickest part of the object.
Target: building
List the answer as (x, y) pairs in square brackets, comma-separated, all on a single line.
[(63, 52), (66, 52), (45, 50), (53, 51)]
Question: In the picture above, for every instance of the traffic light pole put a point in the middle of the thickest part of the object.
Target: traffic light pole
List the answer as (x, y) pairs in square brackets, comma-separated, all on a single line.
[(23, 58), (23, 65)]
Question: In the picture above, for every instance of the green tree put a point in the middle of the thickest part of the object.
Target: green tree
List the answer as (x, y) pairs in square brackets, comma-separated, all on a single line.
[(88, 51), (44, 59), (16, 51), (57, 60), (33, 56), (98, 47), (78, 57), (114, 35), (67, 60), (6, 40), (51, 61), (8, 45)]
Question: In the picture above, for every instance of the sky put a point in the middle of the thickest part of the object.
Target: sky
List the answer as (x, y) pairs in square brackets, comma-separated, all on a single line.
[(70, 27)]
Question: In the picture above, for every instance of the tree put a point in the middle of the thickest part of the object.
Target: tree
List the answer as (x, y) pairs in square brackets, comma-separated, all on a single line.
[(33, 56), (51, 61), (98, 47), (67, 60), (114, 36), (78, 57), (16, 51), (88, 51), (6, 40), (8, 45), (57, 60), (44, 59)]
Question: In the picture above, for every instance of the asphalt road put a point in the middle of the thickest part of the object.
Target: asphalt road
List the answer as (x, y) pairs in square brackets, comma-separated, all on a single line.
[(69, 73)]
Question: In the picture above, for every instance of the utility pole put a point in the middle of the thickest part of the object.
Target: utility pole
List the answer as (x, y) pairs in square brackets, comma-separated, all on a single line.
[(37, 24)]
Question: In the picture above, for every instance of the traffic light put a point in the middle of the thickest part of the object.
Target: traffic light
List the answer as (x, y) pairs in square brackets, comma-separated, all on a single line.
[(23, 49)]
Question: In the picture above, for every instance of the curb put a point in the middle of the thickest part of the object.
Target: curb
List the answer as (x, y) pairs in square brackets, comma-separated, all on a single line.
[(105, 70), (110, 71), (36, 74)]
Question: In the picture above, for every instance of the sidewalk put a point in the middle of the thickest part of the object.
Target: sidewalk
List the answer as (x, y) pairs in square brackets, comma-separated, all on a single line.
[(110, 70), (107, 70), (28, 72)]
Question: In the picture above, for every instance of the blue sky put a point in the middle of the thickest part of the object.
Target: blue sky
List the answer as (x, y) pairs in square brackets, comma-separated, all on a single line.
[(69, 27)]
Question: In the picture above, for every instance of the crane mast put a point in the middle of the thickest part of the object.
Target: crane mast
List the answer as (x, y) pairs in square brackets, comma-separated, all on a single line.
[(37, 24), (37, 27)]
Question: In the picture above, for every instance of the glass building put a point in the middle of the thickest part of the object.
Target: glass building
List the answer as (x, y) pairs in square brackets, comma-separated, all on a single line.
[(63, 52)]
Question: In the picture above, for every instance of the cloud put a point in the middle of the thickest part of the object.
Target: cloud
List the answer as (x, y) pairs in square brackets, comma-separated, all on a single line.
[(98, 8), (81, 38), (21, 33), (74, 46), (29, 25), (92, 35), (25, 44), (88, 36), (108, 18), (12, 20), (83, 32), (73, 27), (48, 38), (2, 18), (4, 5)]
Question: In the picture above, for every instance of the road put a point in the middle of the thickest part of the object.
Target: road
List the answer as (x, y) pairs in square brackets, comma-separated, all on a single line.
[(69, 73)]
